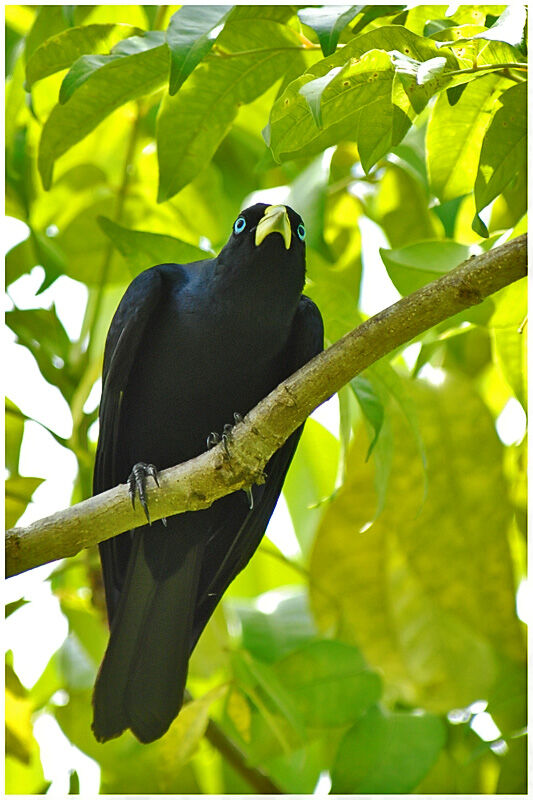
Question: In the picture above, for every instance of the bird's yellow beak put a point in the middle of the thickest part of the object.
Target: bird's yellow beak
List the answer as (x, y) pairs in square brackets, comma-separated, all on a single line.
[(274, 220)]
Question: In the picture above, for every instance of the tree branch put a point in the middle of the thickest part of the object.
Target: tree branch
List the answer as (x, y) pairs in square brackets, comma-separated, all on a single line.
[(198, 483)]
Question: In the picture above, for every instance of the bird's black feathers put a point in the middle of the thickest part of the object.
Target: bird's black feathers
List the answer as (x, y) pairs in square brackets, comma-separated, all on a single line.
[(188, 347)]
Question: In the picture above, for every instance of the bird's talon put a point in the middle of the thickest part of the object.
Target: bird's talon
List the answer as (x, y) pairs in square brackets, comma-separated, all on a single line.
[(213, 439), (250, 496), (137, 485)]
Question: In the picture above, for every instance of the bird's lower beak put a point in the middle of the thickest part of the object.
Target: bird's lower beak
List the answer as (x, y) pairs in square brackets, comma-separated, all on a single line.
[(274, 220)]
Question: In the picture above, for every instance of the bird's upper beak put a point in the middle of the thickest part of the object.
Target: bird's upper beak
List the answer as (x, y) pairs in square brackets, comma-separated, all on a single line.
[(274, 220)]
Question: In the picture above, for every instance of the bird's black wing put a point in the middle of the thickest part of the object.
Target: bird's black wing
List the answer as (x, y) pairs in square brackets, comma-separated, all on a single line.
[(229, 550), (122, 348)]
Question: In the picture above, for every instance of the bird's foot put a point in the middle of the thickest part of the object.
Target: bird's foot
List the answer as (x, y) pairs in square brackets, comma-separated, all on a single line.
[(215, 438), (137, 486)]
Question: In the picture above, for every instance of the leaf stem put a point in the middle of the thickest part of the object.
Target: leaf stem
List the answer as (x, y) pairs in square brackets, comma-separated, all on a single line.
[(218, 52), (483, 67)]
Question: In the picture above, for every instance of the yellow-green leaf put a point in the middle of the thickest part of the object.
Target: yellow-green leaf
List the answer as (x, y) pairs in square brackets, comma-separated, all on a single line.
[(413, 590)]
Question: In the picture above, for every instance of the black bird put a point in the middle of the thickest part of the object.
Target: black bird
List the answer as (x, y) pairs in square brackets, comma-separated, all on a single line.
[(189, 346)]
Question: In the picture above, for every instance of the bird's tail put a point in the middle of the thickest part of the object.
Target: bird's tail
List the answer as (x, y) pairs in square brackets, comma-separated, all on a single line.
[(142, 677)]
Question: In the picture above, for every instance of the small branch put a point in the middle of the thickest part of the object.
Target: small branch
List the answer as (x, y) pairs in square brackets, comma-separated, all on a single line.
[(260, 782), (196, 484)]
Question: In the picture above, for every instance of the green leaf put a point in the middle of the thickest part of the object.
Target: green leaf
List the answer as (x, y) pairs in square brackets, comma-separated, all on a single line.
[(371, 406), (509, 339), (63, 49), (401, 207), (14, 431), (191, 33), (387, 753), (504, 150), (10, 609), (355, 103), (415, 265), (328, 23), (254, 50), (41, 331), (428, 70), (509, 27), (311, 480), (142, 249), (269, 637), (412, 590), (455, 136), (18, 493), (313, 91), (87, 65), (368, 103), (329, 683), (106, 88)]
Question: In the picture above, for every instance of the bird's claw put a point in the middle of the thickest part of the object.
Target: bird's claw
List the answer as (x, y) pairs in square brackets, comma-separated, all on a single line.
[(215, 438), (137, 486)]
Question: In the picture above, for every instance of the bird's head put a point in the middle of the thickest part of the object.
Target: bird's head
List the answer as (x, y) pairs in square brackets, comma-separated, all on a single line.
[(266, 235)]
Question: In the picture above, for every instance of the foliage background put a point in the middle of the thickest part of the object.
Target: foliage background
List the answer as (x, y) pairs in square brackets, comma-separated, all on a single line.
[(133, 137)]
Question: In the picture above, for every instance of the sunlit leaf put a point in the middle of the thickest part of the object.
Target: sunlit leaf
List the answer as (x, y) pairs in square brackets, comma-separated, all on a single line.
[(310, 482), (504, 150), (371, 406), (61, 50), (104, 89), (328, 23), (191, 33), (455, 136), (363, 103), (18, 493), (509, 27), (415, 265), (401, 208), (192, 124), (413, 589), (14, 430)]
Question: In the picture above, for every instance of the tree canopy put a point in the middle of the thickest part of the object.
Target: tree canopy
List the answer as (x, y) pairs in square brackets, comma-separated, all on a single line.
[(370, 651)]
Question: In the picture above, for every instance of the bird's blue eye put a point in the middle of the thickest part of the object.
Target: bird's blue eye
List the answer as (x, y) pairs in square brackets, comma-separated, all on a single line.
[(300, 230), (240, 225)]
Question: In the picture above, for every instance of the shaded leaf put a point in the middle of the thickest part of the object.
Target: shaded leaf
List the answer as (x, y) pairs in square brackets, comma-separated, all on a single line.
[(387, 753), (191, 33), (269, 637), (329, 682), (328, 23), (142, 249)]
